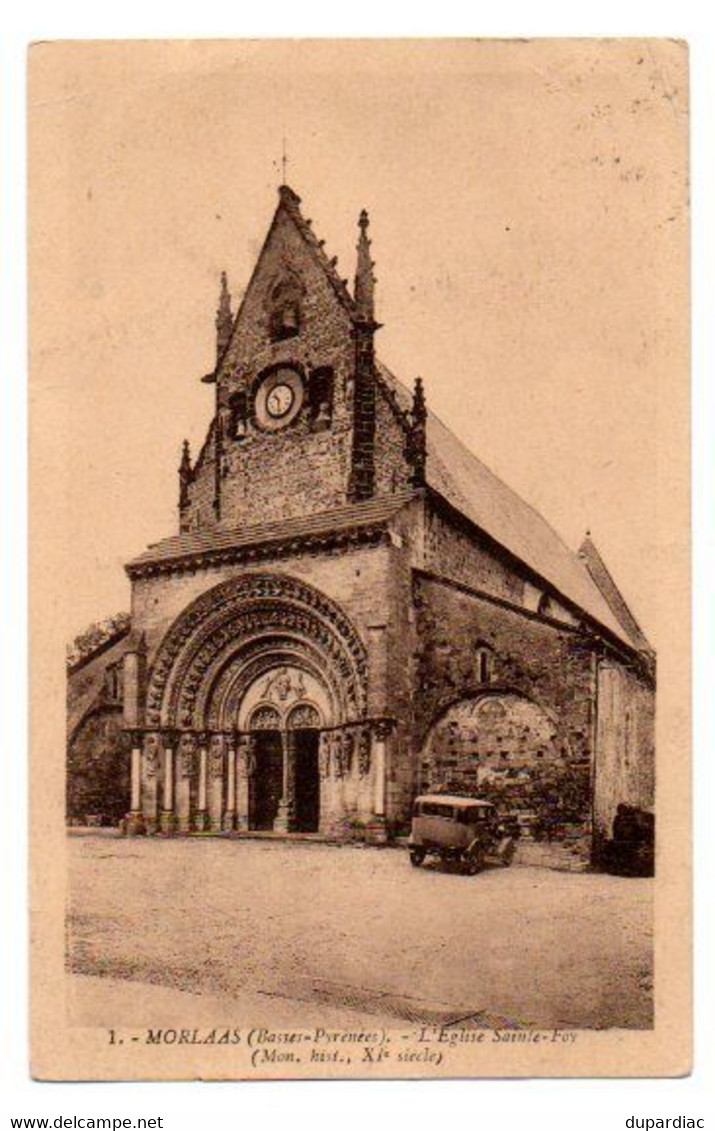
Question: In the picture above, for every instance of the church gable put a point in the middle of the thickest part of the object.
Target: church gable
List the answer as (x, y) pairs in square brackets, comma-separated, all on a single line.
[(295, 307), (293, 413)]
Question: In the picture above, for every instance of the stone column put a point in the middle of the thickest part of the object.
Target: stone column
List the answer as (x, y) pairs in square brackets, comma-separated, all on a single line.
[(365, 795), (244, 754), (229, 817), (167, 821), (215, 791), (350, 785), (151, 760), (284, 821), (134, 669), (134, 820), (136, 780), (201, 818), (337, 788), (326, 799), (185, 772), (377, 827)]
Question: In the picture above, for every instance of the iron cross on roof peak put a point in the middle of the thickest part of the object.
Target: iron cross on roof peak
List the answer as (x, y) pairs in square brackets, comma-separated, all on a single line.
[(284, 163)]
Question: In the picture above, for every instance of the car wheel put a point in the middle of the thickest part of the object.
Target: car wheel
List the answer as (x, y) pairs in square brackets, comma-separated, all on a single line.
[(473, 863), (417, 855), (506, 852)]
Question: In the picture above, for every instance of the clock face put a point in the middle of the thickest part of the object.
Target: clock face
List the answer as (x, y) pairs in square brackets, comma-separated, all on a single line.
[(279, 401), (279, 398)]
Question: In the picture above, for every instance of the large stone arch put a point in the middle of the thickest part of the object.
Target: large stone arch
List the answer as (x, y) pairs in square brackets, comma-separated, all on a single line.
[(504, 746), (240, 628), (97, 782)]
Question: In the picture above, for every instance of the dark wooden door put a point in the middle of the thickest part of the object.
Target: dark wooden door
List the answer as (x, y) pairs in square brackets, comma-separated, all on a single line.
[(266, 784), (307, 780)]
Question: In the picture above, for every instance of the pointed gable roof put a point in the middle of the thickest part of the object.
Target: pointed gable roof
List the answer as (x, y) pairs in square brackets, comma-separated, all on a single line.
[(289, 206), (616, 601), (289, 202)]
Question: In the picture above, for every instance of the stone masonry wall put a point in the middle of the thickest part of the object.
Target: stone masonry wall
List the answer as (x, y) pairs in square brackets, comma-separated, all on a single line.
[(392, 472), (625, 745), (458, 556), (529, 661)]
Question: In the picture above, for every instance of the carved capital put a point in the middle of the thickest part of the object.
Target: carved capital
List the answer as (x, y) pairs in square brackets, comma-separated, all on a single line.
[(382, 729), (170, 738)]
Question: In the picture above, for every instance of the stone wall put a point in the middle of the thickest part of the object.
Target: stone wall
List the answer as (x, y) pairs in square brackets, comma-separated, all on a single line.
[(98, 769), (625, 746), (526, 685), (455, 555), (87, 682), (392, 472), (357, 579)]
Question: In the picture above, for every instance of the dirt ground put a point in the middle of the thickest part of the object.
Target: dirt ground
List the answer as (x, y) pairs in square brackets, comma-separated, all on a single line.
[(307, 933)]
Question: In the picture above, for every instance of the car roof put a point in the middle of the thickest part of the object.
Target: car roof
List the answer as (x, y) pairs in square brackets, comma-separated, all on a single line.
[(453, 799)]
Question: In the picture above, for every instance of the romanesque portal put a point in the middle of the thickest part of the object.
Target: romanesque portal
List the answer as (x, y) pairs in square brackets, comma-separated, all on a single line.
[(255, 718)]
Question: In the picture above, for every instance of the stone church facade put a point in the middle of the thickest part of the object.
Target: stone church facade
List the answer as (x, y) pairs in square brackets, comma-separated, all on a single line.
[(354, 609)]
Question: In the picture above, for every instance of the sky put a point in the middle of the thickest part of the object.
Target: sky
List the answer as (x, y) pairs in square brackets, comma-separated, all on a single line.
[(528, 204)]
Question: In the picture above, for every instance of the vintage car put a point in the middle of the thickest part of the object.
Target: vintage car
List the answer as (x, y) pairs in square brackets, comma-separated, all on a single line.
[(459, 829)]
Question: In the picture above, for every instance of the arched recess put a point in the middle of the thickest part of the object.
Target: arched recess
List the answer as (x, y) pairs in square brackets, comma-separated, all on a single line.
[(505, 747), (232, 634), (97, 783)]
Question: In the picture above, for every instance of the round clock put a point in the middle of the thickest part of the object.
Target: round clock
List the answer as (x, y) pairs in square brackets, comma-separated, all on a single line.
[(279, 401), (279, 398)]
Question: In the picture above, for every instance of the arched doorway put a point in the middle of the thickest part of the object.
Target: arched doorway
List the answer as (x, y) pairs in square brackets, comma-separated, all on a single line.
[(284, 711), (269, 676)]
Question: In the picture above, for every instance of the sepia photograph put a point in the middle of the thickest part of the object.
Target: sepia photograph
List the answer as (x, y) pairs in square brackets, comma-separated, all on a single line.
[(359, 477)]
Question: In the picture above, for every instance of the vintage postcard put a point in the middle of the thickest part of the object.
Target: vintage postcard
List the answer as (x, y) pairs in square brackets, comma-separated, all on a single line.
[(360, 559)]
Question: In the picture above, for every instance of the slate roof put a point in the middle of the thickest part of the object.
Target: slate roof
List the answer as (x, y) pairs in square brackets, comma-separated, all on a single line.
[(356, 516), (476, 492)]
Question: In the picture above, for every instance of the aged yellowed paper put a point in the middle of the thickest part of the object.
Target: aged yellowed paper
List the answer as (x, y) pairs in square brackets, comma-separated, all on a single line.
[(360, 558)]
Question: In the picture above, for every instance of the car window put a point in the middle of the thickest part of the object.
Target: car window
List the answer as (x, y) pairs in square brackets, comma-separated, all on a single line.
[(436, 809), (471, 815)]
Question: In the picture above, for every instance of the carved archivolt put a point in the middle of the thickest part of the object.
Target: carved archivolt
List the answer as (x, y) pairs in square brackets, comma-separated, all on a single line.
[(265, 717), (235, 615), (304, 716), (235, 674)]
